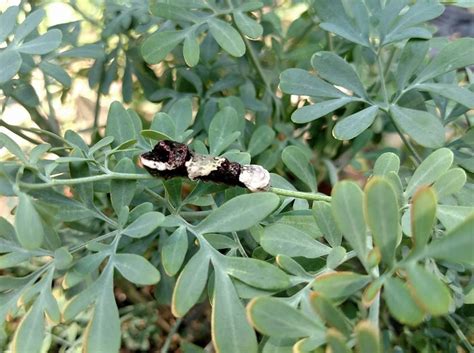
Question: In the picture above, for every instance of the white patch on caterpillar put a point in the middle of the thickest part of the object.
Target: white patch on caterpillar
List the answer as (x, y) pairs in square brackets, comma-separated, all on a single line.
[(155, 164), (254, 177), (201, 165)]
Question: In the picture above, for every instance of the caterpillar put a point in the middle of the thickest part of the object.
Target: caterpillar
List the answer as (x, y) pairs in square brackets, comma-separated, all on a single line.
[(170, 159)]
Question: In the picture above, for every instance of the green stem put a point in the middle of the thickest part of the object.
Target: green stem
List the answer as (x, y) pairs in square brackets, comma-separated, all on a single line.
[(16, 130), (407, 143), (301, 195), (460, 334), (169, 338)]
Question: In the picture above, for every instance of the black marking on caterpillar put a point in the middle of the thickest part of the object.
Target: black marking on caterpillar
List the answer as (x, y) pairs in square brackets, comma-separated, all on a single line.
[(170, 159)]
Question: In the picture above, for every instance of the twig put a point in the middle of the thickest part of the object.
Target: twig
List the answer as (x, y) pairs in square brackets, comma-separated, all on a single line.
[(301, 195), (172, 332), (460, 334), (16, 130)]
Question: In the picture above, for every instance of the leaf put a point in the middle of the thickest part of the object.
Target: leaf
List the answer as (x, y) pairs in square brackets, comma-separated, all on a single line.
[(7, 142), (191, 49), (299, 164), (336, 70), (29, 24), (174, 251), (103, 331), (339, 284), (367, 336), (450, 182), (226, 36), (282, 239), (56, 72), (330, 314), (291, 266), (458, 94), (423, 216), (29, 334), (157, 46), (239, 213), (401, 304), (428, 290), (275, 318), (421, 126), (261, 139), (315, 111), (336, 257), (62, 258), (256, 273), (92, 51), (355, 124), (8, 22), (231, 333), (122, 191), (247, 26), (455, 55), (119, 124), (10, 62), (301, 82), (13, 259), (42, 44), (190, 284), (347, 210), (326, 224), (456, 245), (337, 342), (434, 166), (136, 269), (144, 225), (382, 216), (222, 130), (29, 228), (386, 163), (411, 59)]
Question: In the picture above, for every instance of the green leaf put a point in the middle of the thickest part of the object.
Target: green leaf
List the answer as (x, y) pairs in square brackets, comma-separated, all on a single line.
[(291, 266), (42, 44), (301, 82), (401, 304), (239, 213), (299, 164), (315, 111), (337, 342), (29, 228), (330, 314), (256, 273), (92, 51), (423, 216), (336, 257), (458, 94), (323, 214), (261, 139), (455, 55), (340, 284), (157, 46), (29, 24), (7, 142), (283, 239), (103, 331), (13, 259), (456, 245), (231, 333), (355, 124), (247, 26), (174, 251), (451, 216), (222, 130), (119, 124), (62, 258), (226, 36), (191, 49), (434, 166), (429, 291), (136, 269), (122, 191), (10, 62), (56, 72), (8, 22), (421, 126), (144, 225), (386, 163), (336, 70), (382, 216), (29, 334), (367, 336), (347, 209), (190, 283), (410, 60), (450, 182), (275, 318)]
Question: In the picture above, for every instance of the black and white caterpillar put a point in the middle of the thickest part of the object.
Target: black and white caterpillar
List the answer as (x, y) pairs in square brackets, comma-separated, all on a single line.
[(170, 159)]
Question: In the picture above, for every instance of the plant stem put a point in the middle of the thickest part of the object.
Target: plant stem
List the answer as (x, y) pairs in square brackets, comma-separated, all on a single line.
[(301, 195), (460, 334), (16, 130), (407, 143), (169, 338)]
